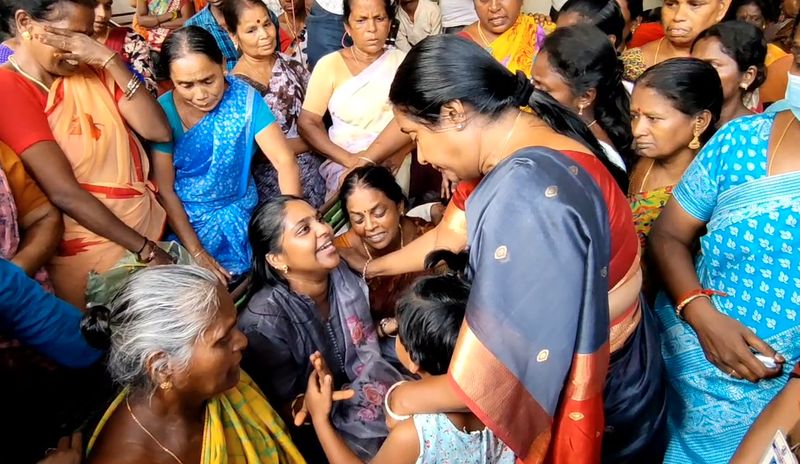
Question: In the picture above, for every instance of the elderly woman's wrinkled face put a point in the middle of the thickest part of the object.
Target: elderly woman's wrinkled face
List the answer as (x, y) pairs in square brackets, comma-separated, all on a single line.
[(684, 20), (373, 216), (214, 366), (69, 16), (497, 16), (256, 35), (199, 82), (368, 25), (307, 243)]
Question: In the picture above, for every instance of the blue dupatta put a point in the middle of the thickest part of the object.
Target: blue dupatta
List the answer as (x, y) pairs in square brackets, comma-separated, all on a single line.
[(212, 176), (750, 253)]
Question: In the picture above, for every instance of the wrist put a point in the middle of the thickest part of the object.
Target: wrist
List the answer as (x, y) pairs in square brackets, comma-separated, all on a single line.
[(696, 310)]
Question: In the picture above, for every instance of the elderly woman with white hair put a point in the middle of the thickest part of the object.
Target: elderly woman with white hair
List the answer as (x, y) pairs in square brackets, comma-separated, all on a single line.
[(175, 349)]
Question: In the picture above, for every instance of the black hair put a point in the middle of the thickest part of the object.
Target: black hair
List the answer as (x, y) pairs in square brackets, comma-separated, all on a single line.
[(770, 11), (232, 12), (374, 177), (189, 39), (586, 61), (387, 4), (444, 68), (692, 85), (39, 10), (266, 232), (605, 14), (429, 317), (744, 43), (635, 8)]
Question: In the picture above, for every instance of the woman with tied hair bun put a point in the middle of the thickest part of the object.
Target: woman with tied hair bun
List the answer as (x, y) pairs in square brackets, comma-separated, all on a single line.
[(175, 350), (532, 357)]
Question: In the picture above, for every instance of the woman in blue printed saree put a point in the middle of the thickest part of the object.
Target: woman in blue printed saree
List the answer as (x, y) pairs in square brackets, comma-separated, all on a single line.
[(740, 295), (204, 175)]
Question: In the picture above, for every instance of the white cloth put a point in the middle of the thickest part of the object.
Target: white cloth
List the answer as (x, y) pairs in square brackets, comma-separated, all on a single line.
[(427, 21), (613, 155), (332, 6), (457, 12), (274, 6)]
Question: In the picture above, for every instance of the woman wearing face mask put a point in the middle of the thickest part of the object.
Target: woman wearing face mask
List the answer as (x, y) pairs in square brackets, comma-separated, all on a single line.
[(353, 85), (73, 104), (282, 82), (583, 73), (728, 316), (375, 206), (306, 301), (128, 44), (683, 21), (736, 50), (675, 107), (204, 175)]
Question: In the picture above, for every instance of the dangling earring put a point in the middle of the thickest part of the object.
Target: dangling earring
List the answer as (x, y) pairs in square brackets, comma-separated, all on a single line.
[(26, 35), (695, 143), (344, 36), (580, 110), (165, 385)]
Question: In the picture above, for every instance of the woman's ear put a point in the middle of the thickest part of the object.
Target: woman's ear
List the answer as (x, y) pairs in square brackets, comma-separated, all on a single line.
[(702, 121), (276, 260), (453, 113), (158, 368)]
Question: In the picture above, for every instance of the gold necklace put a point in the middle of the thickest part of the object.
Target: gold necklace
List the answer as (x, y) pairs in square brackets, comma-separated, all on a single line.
[(646, 175), (402, 242), (778, 145), (166, 450), (21, 71), (487, 45)]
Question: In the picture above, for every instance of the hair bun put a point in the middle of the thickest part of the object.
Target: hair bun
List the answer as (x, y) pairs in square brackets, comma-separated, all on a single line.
[(95, 326), (523, 91)]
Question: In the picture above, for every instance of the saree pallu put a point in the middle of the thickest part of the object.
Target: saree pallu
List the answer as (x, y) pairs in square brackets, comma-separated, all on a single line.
[(240, 428), (360, 110), (109, 162), (516, 47), (213, 180), (749, 252), (532, 355)]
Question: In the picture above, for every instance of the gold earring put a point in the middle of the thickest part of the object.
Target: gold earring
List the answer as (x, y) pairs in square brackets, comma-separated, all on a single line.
[(580, 110), (695, 143), (165, 385), (460, 126), (285, 269), (26, 35)]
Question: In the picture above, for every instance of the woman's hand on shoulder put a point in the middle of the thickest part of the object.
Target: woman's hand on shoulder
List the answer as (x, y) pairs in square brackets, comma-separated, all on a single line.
[(729, 345), (76, 46)]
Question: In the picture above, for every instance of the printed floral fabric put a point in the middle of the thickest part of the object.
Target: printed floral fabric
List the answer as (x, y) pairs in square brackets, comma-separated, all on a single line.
[(284, 96), (749, 252), (646, 207)]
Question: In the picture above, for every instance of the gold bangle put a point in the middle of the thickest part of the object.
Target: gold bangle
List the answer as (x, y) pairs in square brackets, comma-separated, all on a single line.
[(174, 15), (105, 63), (683, 304), (364, 271)]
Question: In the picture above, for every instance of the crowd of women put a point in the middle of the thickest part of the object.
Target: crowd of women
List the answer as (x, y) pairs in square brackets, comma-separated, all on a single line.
[(520, 239)]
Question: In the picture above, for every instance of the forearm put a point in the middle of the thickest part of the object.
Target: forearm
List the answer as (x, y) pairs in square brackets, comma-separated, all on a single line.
[(317, 138), (782, 414), (406, 260), (142, 112), (336, 449), (289, 178), (675, 264), (173, 24), (179, 221), (92, 214), (39, 241), (390, 141), (298, 145), (427, 396)]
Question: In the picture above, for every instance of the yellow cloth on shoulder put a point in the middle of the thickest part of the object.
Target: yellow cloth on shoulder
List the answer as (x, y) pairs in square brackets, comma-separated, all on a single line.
[(516, 47), (241, 428)]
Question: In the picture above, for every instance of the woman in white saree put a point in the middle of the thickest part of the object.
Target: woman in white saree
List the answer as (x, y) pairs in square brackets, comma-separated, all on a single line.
[(353, 85)]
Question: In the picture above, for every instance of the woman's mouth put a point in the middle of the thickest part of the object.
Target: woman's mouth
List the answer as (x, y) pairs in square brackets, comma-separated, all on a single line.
[(326, 247), (376, 238)]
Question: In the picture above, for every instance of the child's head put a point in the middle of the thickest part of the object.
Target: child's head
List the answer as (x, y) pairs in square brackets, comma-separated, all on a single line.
[(429, 317)]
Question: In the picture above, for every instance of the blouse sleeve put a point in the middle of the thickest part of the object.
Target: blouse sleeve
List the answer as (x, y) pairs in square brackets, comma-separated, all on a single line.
[(27, 124), (320, 86), (262, 115), (27, 194)]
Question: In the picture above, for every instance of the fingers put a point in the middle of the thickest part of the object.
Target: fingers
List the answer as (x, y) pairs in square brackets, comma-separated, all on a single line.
[(53, 40), (58, 31), (342, 395), (301, 416), (77, 442), (326, 387), (64, 444), (761, 346)]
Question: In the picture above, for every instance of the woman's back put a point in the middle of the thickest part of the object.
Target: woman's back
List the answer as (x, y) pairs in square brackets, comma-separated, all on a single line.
[(445, 438)]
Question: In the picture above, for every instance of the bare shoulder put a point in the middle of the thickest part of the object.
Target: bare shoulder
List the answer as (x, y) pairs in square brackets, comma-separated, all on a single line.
[(401, 446), (120, 442)]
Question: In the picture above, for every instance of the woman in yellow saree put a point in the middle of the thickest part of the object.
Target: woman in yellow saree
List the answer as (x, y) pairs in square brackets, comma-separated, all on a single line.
[(175, 349), (511, 38)]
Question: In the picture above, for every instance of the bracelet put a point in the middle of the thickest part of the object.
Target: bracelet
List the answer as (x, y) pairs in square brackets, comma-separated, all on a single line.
[(105, 63), (174, 15), (692, 295), (146, 241), (198, 253), (389, 411), (368, 161), (382, 327), (150, 255), (132, 87), (364, 271)]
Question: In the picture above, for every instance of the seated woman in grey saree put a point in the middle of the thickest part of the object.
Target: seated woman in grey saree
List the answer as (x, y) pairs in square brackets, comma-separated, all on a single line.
[(307, 301)]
